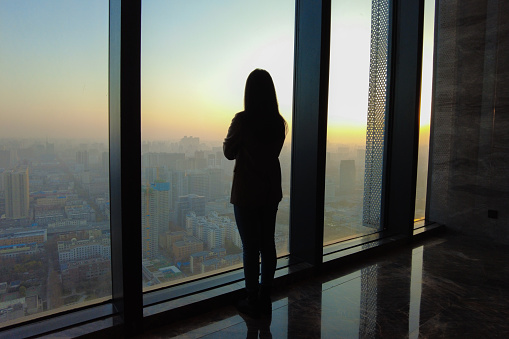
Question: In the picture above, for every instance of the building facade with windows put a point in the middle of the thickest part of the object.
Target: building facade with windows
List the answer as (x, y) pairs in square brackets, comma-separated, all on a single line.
[(16, 188)]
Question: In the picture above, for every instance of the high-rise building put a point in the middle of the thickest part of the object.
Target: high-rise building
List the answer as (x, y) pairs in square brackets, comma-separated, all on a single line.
[(5, 158), (207, 183), (50, 148), (168, 160), (155, 204), (189, 145), (187, 204), (16, 189), (211, 160), (179, 187), (82, 159), (198, 181), (215, 183), (346, 177)]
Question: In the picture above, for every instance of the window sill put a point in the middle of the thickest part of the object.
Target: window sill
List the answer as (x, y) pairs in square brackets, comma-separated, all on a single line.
[(71, 324), (182, 301)]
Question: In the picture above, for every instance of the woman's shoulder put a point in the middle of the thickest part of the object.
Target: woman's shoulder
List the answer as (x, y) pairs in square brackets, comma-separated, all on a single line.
[(239, 118), (240, 115)]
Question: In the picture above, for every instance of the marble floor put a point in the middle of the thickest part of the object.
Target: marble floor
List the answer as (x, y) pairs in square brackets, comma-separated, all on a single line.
[(450, 286)]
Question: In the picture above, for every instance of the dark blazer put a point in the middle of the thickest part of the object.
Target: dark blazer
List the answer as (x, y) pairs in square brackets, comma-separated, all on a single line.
[(257, 172)]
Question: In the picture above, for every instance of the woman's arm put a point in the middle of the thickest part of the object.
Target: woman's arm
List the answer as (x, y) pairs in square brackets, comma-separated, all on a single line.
[(232, 141)]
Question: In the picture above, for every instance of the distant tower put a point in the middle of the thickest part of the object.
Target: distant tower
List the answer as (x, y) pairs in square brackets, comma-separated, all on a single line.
[(376, 113), (215, 183), (198, 183), (179, 187), (155, 207), (189, 145), (16, 193), (346, 177), (50, 151), (187, 204), (211, 161), (5, 159), (82, 159)]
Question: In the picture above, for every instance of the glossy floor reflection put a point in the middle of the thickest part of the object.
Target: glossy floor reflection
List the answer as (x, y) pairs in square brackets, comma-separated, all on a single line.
[(446, 287)]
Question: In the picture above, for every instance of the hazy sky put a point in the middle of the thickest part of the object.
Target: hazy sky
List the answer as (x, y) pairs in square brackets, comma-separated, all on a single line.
[(196, 56), (54, 68), (349, 71)]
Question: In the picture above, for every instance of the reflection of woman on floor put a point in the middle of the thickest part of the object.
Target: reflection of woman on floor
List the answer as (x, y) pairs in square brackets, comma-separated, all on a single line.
[(254, 140)]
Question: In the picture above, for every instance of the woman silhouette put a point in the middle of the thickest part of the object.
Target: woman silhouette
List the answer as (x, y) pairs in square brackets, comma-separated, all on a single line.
[(255, 138)]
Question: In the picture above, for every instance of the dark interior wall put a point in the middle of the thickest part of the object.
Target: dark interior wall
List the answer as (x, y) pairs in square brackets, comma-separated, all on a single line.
[(469, 153)]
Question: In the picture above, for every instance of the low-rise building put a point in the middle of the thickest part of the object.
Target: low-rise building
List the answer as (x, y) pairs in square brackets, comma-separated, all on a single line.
[(74, 249), (82, 270), (197, 259), (184, 248), (68, 223), (12, 251), (38, 236)]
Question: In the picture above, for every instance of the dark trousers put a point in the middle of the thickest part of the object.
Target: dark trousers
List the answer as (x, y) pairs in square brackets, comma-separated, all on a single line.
[(256, 227)]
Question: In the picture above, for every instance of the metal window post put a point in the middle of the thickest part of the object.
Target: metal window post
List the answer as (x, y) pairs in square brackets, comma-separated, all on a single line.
[(311, 81), (402, 124), (125, 161)]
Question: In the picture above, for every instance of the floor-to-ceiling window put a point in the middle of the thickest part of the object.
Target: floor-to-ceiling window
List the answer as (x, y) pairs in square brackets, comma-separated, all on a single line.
[(196, 57), (427, 78), (54, 192), (356, 119)]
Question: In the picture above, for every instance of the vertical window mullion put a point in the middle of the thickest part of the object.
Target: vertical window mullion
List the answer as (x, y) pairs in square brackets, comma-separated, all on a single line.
[(402, 126), (311, 78), (125, 160)]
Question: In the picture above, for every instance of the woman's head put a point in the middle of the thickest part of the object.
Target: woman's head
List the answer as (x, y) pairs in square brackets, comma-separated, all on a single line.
[(260, 94)]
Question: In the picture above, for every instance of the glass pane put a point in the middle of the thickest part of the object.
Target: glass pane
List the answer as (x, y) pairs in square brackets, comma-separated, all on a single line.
[(355, 133), (54, 191), (427, 77), (196, 57)]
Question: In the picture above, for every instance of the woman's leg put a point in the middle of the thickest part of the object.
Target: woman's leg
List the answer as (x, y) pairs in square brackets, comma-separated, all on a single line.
[(247, 223), (267, 244), (269, 257)]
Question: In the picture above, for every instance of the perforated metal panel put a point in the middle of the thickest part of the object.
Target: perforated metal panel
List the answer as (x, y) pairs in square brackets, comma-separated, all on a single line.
[(376, 113)]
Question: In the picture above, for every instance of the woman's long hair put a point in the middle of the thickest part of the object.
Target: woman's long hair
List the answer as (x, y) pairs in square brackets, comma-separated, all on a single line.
[(260, 103)]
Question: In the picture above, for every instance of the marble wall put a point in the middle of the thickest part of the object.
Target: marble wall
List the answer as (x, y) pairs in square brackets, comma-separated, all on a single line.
[(469, 143)]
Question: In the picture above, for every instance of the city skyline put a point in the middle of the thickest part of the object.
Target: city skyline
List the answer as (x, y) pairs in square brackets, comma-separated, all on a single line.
[(66, 236)]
